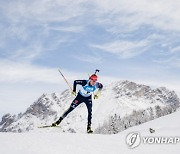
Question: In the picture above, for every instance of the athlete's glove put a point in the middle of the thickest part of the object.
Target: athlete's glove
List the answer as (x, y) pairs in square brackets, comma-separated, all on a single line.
[(74, 93), (96, 96)]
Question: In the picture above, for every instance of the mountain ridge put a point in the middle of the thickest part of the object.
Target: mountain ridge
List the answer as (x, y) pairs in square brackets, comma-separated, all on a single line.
[(120, 98)]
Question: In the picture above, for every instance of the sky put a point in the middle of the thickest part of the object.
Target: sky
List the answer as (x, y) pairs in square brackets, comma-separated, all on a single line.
[(135, 40)]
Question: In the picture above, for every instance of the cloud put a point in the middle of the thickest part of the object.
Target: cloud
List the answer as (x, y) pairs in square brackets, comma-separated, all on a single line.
[(37, 48), (24, 43), (169, 57), (116, 15), (37, 27), (73, 29), (27, 53), (175, 49), (22, 72), (154, 21), (93, 58), (31, 51), (36, 19), (41, 11), (124, 49), (130, 15), (12, 72)]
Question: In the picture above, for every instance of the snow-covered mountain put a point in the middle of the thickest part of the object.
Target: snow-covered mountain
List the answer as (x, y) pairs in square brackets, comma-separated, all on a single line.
[(119, 102)]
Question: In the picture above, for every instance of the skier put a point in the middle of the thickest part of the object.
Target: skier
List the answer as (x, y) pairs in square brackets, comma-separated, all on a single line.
[(84, 95)]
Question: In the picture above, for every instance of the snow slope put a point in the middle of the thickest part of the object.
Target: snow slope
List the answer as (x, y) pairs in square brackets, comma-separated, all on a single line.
[(52, 141)]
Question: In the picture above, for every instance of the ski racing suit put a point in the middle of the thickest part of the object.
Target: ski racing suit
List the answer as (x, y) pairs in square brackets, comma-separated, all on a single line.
[(84, 95)]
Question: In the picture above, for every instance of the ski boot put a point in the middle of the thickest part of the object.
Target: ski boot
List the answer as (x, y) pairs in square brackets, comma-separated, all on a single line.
[(89, 129), (57, 122)]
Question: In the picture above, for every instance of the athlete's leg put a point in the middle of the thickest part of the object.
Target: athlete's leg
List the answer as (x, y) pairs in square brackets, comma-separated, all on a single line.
[(88, 103), (74, 104)]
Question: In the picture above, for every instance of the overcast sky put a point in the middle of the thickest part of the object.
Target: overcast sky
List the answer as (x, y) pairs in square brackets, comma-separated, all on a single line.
[(135, 40)]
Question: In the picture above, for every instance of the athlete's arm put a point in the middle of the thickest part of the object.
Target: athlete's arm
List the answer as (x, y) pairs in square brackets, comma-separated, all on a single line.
[(81, 82), (99, 85)]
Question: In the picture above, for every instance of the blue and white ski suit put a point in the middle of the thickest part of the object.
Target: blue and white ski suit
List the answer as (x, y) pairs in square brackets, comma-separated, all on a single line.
[(84, 95)]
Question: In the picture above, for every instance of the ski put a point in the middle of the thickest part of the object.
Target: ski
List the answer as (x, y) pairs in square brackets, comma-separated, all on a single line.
[(46, 126)]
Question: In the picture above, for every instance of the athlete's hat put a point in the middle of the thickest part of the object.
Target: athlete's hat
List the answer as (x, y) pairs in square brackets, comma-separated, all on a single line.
[(93, 77)]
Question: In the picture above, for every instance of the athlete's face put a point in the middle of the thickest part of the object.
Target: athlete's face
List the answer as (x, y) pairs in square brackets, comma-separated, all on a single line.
[(92, 82)]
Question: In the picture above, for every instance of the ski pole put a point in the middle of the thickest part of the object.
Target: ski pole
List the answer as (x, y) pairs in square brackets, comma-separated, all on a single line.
[(65, 79)]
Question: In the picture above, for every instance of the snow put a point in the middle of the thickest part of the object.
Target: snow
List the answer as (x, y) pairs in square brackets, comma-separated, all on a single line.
[(52, 141)]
